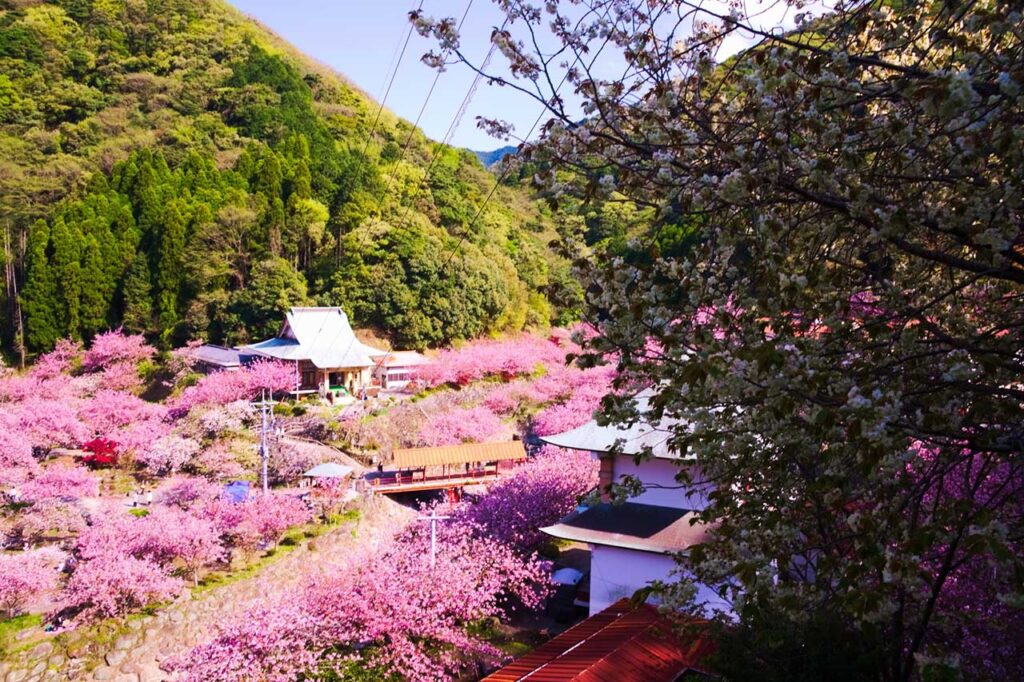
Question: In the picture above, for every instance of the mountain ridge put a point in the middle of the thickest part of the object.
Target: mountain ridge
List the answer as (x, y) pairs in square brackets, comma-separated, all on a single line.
[(183, 171)]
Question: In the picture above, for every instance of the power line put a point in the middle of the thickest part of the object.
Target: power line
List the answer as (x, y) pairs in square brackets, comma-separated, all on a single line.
[(456, 121), (505, 170), (508, 167), (415, 125), (391, 81)]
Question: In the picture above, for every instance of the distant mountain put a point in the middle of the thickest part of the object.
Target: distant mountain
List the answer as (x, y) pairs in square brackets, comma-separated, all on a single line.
[(491, 158)]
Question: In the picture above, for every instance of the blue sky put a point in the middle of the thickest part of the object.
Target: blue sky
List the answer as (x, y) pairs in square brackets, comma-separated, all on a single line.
[(359, 38)]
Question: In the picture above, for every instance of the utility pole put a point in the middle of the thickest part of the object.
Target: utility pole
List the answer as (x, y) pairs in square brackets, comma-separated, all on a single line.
[(266, 423), (433, 518)]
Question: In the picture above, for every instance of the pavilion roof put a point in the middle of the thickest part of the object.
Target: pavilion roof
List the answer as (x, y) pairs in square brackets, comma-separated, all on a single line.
[(623, 643), (467, 453), (632, 525)]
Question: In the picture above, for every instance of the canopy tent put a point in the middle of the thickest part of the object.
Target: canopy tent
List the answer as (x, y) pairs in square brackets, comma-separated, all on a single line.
[(329, 470), (237, 491), (467, 453)]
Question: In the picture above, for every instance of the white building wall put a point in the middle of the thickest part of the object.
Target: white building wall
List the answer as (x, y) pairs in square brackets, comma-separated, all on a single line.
[(616, 573), (662, 488)]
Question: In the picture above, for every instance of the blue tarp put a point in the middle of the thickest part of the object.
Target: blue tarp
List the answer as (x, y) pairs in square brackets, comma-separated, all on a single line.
[(237, 491)]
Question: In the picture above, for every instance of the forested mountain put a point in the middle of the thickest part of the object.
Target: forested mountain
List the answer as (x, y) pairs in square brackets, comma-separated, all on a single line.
[(172, 166)]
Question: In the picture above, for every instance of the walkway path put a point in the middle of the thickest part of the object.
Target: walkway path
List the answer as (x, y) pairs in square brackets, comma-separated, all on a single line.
[(136, 656)]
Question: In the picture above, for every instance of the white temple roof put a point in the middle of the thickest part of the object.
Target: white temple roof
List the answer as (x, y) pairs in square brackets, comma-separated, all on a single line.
[(320, 335), (636, 439)]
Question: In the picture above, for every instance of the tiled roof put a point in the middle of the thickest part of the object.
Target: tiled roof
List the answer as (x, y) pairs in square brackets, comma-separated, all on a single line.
[(623, 643), (643, 527), (409, 458), (216, 355)]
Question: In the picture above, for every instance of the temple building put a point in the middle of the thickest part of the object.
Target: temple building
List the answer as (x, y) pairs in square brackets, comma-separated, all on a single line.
[(328, 357), (634, 542)]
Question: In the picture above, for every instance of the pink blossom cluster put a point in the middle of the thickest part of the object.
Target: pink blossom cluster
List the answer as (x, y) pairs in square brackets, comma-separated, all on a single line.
[(115, 347), (393, 612), (24, 576), (460, 425), (516, 356), (112, 585), (61, 360), (16, 461), (108, 410), (186, 492), (44, 422), (49, 518), (585, 394), (168, 454), (537, 494), (259, 521), (128, 562), (221, 388), (164, 535), (61, 481)]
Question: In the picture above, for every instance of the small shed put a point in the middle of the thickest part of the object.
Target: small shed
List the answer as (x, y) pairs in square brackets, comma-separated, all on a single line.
[(329, 470), (398, 368)]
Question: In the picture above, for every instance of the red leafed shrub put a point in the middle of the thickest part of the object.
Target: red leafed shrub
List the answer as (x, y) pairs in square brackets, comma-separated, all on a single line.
[(102, 452)]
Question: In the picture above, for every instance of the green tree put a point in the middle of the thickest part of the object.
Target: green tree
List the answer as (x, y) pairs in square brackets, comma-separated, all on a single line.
[(39, 300), (67, 270), (137, 296), (170, 266), (275, 287), (834, 333)]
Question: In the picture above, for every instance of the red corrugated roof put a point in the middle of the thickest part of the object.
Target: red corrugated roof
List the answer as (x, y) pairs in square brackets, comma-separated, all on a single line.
[(623, 643)]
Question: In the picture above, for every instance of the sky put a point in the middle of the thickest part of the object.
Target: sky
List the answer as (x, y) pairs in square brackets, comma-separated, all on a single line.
[(360, 38)]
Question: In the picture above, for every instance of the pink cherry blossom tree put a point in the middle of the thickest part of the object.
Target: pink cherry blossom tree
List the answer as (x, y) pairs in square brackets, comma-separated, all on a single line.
[(169, 454), (515, 356), (113, 585), (537, 494), (221, 388), (116, 347), (24, 576), (465, 425), (61, 481), (259, 521), (393, 612)]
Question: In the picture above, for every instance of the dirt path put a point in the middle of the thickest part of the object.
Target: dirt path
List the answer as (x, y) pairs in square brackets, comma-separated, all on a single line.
[(137, 655)]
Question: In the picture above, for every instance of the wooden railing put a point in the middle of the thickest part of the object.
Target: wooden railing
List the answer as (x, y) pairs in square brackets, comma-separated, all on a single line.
[(398, 482)]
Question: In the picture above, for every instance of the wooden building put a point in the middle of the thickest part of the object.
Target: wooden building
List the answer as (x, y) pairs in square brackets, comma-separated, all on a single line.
[(327, 355)]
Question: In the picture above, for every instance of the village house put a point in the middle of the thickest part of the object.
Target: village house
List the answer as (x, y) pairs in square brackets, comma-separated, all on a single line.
[(398, 368), (632, 543), (328, 357)]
